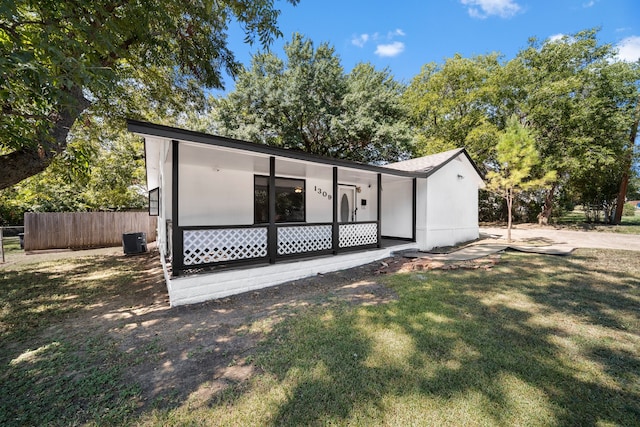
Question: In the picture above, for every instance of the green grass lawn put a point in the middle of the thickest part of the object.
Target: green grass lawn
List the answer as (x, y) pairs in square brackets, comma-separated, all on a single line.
[(536, 340), (576, 220), (54, 375)]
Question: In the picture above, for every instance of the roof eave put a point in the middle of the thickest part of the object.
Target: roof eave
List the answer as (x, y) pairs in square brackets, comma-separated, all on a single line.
[(168, 132)]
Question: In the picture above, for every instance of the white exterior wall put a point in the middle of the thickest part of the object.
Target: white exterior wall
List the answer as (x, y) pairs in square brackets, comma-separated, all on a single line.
[(452, 205), (209, 197), (166, 183), (397, 208), (370, 211), (422, 187), (319, 207)]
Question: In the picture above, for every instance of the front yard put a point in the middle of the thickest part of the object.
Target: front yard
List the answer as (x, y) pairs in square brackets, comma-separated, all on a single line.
[(534, 340)]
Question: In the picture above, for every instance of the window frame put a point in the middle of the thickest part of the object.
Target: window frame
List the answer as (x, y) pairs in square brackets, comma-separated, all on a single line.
[(156, 211), (304, 199)]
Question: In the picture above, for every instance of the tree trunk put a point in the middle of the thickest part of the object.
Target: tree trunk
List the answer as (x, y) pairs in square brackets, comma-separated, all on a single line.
[(509, 216), (547, 208), (622, 196), (622, 192), (29, 161)]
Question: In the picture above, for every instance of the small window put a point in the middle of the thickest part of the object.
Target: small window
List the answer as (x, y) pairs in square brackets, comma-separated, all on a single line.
[(290, 200), (154, 202)]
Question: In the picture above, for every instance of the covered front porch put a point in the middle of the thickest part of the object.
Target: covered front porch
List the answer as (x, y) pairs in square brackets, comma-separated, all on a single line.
[(237, 216), (245, 208)]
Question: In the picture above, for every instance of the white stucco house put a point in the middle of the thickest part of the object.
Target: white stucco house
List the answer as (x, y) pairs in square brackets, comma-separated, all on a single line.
[(236, 216)]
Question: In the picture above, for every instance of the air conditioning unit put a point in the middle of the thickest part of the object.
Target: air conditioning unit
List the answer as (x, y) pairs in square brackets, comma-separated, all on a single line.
[(134, 243)]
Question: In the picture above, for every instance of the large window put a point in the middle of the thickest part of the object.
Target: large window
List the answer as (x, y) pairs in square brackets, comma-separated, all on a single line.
[(290, 205)]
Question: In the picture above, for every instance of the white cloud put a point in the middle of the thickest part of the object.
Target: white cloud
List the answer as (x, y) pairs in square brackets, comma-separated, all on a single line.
[(484, 8), (556, 37), (389, 50), (629, 49), (385, 44), (360, 40)]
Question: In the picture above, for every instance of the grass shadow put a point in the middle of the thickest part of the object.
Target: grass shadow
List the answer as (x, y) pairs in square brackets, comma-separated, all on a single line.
[(526, 343), (55, 369)]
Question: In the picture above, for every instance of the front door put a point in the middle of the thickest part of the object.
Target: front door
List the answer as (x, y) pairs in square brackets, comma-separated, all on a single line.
[(347, 203)]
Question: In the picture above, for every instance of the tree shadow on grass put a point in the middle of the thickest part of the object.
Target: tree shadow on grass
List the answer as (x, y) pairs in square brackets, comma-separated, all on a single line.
[(512, 345), (513, 341), (37, 296), (55, 368)]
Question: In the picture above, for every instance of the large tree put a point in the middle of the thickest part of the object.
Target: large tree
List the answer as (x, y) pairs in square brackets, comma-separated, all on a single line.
[(452, 105), (58, 58), (308, 103), (579, 100), (571, 91)]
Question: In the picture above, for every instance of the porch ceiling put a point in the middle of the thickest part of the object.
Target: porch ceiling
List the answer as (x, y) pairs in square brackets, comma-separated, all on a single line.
[(152, 155), (221, 158)]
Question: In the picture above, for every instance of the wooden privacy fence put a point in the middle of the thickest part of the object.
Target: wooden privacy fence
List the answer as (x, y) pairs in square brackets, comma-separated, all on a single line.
[(76, 230)]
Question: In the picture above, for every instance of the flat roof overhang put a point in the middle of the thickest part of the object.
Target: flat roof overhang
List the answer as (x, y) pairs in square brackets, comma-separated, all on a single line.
[(171, 133)]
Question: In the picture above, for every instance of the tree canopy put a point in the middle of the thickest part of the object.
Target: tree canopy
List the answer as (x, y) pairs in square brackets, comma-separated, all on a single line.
[(579, 101), (308, 103), (60, 58), (89, 64)]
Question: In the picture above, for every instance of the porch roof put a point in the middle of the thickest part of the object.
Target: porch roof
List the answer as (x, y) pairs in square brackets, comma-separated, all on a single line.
[(172, 133)]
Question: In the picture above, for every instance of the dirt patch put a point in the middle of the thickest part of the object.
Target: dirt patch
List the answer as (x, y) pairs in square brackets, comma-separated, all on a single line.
[(197, 351)]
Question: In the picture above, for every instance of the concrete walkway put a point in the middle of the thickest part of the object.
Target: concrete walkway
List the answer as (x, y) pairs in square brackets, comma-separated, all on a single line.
[(576, 239), (534, 240)]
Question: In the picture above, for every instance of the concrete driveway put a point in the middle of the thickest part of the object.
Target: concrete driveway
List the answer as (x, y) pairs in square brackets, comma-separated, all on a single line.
[(576, 239)]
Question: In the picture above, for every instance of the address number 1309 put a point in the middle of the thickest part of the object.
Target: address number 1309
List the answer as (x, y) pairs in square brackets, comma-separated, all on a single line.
[(321, 192)]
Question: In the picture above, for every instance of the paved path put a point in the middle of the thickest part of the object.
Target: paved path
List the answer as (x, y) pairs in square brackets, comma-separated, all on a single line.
[(576, 239)]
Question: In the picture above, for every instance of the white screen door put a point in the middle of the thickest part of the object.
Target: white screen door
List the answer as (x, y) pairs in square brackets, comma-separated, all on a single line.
[(347, 203)]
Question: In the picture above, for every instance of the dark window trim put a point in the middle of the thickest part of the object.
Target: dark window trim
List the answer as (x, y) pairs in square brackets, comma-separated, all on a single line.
[(155, 212), (304, 192)]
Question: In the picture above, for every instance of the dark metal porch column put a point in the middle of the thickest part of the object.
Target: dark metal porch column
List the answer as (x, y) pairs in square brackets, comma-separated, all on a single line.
[(379, 238), (177, 254), (335, 230), (272, 232)]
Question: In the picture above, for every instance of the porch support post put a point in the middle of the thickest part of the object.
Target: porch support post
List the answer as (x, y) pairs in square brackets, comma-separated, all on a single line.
[(272, 232), (413, 218), (177, 250), (379, 210), (335, 230)]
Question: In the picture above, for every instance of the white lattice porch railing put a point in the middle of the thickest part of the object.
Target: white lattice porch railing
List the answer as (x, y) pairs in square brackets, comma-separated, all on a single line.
[(358, 234), (295, 239), (223, 244)]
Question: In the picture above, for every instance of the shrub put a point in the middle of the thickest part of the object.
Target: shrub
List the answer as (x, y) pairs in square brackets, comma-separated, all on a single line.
[(628, 210)]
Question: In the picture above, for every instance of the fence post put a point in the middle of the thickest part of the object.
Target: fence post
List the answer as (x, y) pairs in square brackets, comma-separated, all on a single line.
[(2, 243)]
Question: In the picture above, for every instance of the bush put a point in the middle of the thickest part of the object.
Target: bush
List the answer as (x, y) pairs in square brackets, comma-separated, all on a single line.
[(491, 207), (628, 210)]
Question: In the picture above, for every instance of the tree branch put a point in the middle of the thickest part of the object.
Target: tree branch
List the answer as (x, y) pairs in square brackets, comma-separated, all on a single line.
[(28, 161)]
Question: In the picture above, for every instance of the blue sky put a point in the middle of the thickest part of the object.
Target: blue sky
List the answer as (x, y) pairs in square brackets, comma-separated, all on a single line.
[(405, 35)]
